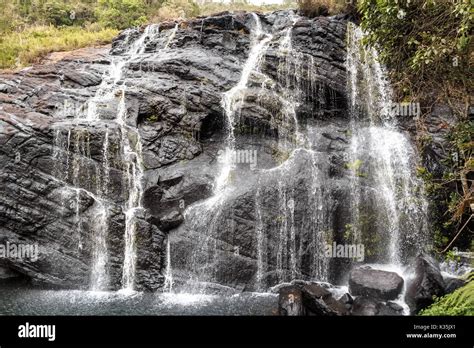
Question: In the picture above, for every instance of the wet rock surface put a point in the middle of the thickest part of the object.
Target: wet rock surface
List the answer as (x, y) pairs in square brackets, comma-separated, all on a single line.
[(173, 97), (428, 282), (56, 164), (383, 285), (309, 299)]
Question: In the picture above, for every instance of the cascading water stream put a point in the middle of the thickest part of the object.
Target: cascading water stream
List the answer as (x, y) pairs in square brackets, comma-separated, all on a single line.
[(296, 76), (233, 98), (134, 176), (107, 92), (382, 153), (204, 215), (375, 140)]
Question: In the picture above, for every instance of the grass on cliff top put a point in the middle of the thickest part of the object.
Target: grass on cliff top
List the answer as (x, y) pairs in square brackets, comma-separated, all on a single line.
[(460, 302), (45, 31), (19, 49)]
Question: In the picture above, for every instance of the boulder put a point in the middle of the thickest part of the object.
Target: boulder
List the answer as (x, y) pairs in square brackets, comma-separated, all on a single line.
[(307, 298), (290, 301), (319, 301), (428, 282), (377, 284), (369, 307), (389, 308), (364, 306), (347, 299)]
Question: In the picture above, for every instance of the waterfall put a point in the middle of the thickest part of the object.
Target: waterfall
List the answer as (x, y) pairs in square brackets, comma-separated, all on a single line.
[(233, 98), (99, 277), (382, 156), (134, 176), (171, 36), (261, 241), (168, 286), (277, 255), (78, 219), (78, 137), (386, 199), (204, 216)]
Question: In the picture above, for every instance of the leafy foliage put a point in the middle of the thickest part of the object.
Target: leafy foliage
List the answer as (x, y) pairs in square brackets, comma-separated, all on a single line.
[(453, 191), (424, 42), (460, 302), (121, 14)]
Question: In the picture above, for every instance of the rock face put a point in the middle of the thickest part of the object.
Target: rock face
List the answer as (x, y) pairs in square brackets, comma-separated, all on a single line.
[(376, 284), (428, 282), (67, 179), (59, 169)]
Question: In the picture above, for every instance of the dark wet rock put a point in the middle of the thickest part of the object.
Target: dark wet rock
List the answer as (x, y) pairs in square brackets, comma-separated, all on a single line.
[(453, 283), (290, 301), (318, 300), (170, 221), (173, 98), (395, 306), (306, 298), (377, 284), (389, 308), (6, 273), (364, 306), (428, 282), (347, 299)]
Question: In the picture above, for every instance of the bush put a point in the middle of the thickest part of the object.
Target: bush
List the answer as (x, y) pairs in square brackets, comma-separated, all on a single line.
[(315, 8), (172, 9), (121, 14), (425, 42), (58, 13)]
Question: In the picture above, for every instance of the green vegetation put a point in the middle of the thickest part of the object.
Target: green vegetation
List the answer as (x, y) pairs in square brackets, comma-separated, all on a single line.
[(355, 168), (460, 302), (17, 49), (452, 191), (314, 8), (152, 118), (425, 44), (29, 29), (280, 155), (120, 14)]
